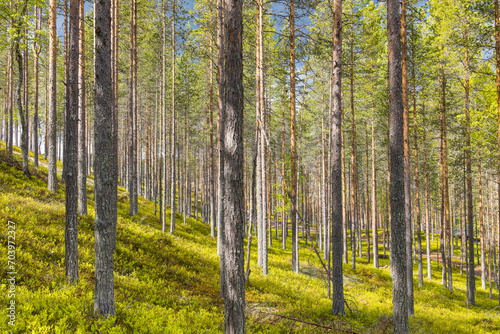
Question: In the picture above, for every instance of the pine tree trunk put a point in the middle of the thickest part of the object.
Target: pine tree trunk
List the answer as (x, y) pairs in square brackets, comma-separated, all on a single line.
[(82, 149), (71, 150), (374, 200), (132, 113), (233, 170), (470, 214), (397, 189), (36, 52), (407, 176), (293, 144), (105, 165), (336, 167), (482, 229), (172, 133), (497, 57)]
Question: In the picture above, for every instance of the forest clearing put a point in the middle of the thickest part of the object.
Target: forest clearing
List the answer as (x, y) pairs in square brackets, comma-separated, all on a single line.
[(298, 166)]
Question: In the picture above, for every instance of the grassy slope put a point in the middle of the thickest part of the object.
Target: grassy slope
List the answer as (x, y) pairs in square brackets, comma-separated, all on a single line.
[(170, 284)]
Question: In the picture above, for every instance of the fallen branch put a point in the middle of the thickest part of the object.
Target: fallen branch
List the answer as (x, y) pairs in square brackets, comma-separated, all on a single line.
[(310, 323)]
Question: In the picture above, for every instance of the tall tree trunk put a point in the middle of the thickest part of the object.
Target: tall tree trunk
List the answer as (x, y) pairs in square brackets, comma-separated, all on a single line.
[(497, 56), (82, 149), (210, 125), (36, 52), (132, 113), (374, 200), (62, 147), (482, 229), (355, 212), (417, 181), (336, 167), (293, 144), (407, 173), (470, 215), (396, 111), (105, 165), (261, 149), (221, 135), (233, 170), (172, 137), (284, 220), (71, 151)]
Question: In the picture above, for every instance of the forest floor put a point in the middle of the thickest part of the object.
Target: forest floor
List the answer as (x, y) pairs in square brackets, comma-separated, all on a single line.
[(170, 284)]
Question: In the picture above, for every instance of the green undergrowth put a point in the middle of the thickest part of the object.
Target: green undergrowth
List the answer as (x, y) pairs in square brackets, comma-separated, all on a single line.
[(170, 284)]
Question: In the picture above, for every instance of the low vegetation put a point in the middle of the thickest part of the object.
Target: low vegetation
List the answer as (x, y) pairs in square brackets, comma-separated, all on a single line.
[(170, 284)]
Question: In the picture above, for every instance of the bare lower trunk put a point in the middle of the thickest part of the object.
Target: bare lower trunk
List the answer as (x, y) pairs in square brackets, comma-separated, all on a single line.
[(396, 110), (105, 166), (82, 149)]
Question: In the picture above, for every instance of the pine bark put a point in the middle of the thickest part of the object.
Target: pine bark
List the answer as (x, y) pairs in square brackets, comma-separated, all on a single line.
[(132, 113), (336, 167), (82, 149), (71, 150), (172, 134), (407, 176), (233, 170), (293, 144), (105, 166), (374, 200), (482, 228), (397, 189), (470, 214), (497, 58), (36, 52)]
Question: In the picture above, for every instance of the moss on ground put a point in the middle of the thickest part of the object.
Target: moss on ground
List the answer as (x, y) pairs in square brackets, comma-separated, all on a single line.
[(170, 284)]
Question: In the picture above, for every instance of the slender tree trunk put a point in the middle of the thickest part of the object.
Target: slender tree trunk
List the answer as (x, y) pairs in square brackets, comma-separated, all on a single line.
[(374, 200), (284, 220), (482, 229), (470, 214), (132, 113), (36, 52), (396, 111), (417, 186), (336, 167), (82, 149), (52, 125), (407, 176), (293, 144), (497, 57), (233, 170), (105, 165), (172, 137), (71, 151)]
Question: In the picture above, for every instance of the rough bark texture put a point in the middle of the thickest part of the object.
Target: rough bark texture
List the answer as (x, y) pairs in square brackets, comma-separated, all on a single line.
[(407, 176), (374, 201), (36, 52), (132, 113), (172, 134), (71, 150), (233, 170), (497, 56), (397, 189), (336, 167), (470, 214), (82, 147), (293, 144), (104, 165), (222, 131), (482, 229)]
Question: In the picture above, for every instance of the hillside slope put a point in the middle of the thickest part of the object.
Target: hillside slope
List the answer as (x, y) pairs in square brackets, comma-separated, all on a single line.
[(170, 284)]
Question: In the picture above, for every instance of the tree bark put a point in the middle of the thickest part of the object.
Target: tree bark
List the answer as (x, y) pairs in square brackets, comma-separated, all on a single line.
[(396, 110), (497, 57), (293, 144), (482, 229), (36, 52), (336, 167), (82, 149), (233, 169), (132, 113), (71, 150), (172, 135), (470, 214), (407, 176), (374, 201), (105, 166)]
